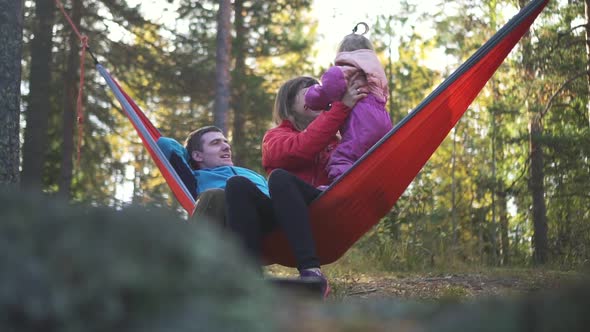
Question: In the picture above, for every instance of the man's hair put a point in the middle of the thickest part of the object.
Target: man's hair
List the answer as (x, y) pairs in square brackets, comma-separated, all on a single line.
[(285, 99), (194, 142)]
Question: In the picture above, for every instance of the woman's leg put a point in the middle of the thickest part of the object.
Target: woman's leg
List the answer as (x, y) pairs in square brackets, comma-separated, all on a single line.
[(291, 197), (249, 213)]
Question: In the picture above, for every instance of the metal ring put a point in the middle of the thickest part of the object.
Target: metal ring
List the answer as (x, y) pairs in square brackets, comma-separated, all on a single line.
[(355, 29)]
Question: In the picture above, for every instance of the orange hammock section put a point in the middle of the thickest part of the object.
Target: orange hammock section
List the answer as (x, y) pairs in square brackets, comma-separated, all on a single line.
[(368, 191)]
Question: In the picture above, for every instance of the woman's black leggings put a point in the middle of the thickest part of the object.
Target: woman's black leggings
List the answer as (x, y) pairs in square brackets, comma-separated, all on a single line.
[(251, 214)]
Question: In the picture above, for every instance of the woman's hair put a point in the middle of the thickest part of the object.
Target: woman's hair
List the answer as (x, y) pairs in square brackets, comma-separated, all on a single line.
[(283, 108), (356, 41)]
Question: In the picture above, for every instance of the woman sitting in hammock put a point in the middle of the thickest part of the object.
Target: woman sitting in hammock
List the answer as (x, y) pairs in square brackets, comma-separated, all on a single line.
[(304, 138)]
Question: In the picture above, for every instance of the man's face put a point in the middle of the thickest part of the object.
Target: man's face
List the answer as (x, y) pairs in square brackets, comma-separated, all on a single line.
[(216, 151)]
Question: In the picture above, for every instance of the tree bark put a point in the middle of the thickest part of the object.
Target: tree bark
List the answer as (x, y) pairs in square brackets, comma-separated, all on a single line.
[(537, 188), (390, 80), (587, 12), (222, 73), (11, 33), (240, 106), (494, 230), (69, 113), (454, 192), (37, 113), (493, 10), (503, 217)]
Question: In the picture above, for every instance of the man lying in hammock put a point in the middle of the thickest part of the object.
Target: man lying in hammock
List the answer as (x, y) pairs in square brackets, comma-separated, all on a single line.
[(251, 213)]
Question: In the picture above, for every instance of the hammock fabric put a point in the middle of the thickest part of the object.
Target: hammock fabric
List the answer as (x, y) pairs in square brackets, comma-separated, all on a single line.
[(368, 191), (149, 135)]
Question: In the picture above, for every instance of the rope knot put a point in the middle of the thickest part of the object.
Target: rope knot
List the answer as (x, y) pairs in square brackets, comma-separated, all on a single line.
[(84, 41)]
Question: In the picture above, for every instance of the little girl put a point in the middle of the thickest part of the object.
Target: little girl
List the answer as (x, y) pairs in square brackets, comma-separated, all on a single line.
[(368, 121)]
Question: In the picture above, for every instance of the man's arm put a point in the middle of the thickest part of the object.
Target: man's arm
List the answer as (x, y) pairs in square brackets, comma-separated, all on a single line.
[(185, 173)]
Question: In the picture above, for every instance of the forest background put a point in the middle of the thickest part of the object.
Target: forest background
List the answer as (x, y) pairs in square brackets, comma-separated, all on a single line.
[(510, 186)]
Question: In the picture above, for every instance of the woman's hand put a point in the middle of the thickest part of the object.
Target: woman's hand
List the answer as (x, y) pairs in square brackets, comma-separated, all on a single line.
[(357, 90)]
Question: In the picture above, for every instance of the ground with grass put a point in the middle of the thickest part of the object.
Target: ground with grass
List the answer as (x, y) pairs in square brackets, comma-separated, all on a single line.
[(485, 300), (440, 285), (428, 286)]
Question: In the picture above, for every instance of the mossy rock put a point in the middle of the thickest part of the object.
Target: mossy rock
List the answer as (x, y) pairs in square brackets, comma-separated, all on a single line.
[(81, 268)]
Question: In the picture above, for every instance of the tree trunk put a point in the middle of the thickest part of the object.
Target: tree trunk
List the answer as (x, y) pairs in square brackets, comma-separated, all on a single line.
[(587, 11), (503, 217), (37, 114), (454, 191), (69, 113), (11, 35), (139, 195), (240, 105), (537, 188), (480, 238), (390, 79), (493, 10), (222, 75), (494, 230)]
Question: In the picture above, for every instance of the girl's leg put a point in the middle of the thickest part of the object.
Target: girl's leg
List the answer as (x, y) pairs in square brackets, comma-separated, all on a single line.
[(249, 213), (291, 197)]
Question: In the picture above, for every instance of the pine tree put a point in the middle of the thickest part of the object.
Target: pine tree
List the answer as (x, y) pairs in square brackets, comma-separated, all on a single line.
[(222, 64), (11, 29), (39, 105)]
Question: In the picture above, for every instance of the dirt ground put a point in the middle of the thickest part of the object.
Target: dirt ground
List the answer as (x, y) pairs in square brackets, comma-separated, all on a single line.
[(451, 286), (465, 285)]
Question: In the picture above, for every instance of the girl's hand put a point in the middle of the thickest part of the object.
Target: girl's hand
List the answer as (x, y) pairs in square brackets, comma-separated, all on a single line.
[(357, 90)]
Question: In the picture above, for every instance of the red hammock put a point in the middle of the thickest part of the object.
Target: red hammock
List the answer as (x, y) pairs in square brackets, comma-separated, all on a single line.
[(368, 191)]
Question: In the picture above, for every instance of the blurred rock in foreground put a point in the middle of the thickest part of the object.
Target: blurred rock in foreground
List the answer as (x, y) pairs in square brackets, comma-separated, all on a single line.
[(73, 268), (67, 268)]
